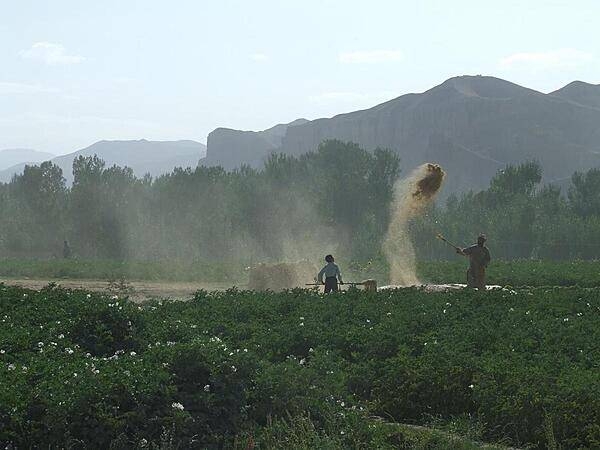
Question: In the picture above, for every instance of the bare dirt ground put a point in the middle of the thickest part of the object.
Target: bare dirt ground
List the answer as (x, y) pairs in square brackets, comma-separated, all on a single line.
[(146, 290), (137, 290)]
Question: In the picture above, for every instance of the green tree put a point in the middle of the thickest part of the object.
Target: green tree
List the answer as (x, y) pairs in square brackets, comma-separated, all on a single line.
[(584, 193)]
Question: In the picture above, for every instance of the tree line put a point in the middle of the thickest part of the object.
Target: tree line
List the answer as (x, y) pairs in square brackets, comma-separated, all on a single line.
[(336, 197), (337, 194), (521, 217)]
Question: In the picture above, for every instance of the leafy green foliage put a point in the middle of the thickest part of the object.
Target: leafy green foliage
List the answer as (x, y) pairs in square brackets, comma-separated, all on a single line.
[(228, 367), (584, 193)]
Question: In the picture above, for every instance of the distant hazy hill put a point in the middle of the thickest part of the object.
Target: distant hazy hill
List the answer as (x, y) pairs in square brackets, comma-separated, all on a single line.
[(471, 125), (154, 157), (580, 92), (232, 148), (12, 156)]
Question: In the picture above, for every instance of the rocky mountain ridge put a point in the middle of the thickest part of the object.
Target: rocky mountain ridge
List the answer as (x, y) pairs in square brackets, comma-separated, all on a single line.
[(471, 125)]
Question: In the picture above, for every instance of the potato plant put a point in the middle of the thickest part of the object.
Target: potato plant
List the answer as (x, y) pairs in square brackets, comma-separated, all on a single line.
[(298, 368)]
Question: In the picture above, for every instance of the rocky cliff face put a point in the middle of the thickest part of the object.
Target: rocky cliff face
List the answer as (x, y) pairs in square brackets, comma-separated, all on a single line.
[(472, 126), (233, 148)]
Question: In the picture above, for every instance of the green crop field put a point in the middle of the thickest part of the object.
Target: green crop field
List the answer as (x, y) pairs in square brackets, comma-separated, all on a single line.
[(392, 369)]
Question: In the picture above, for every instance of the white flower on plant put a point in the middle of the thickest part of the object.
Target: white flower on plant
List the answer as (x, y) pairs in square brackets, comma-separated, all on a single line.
[(69, 351), (89, 296), (207, 388), (471, 386), (301, 324), (177, 405), (11, 367), (40, 344), (61, 336), (302, 361), (132, 353), (2, 352), (75, 374)]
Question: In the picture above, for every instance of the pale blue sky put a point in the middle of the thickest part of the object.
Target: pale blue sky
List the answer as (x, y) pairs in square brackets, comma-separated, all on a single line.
[(73, 72)]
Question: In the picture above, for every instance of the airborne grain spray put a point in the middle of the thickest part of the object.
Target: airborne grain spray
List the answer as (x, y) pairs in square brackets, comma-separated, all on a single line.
[(411, 197)]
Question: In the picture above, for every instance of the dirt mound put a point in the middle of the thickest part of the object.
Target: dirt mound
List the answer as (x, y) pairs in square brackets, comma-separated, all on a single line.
[(276, 277)]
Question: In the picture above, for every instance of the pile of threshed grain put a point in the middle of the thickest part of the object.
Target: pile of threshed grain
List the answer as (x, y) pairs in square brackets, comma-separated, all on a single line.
[(280, 276)]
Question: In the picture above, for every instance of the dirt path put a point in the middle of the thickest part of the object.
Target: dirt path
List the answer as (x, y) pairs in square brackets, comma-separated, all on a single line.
[(138, 290), (145, 290)]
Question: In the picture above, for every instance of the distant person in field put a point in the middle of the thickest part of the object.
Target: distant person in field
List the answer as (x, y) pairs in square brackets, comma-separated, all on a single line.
[(479, 258), (66, 250), (332, 274)]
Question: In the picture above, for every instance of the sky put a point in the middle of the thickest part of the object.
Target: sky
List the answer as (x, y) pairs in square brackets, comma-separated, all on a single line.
[(74, 72)]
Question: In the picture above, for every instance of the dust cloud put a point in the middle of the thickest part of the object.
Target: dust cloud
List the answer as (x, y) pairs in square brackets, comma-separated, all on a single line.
[(411, 197), (298, 242)]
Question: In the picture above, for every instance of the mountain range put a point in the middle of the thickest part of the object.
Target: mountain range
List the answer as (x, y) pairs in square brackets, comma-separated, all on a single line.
[(471, 125), (153, 157)]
